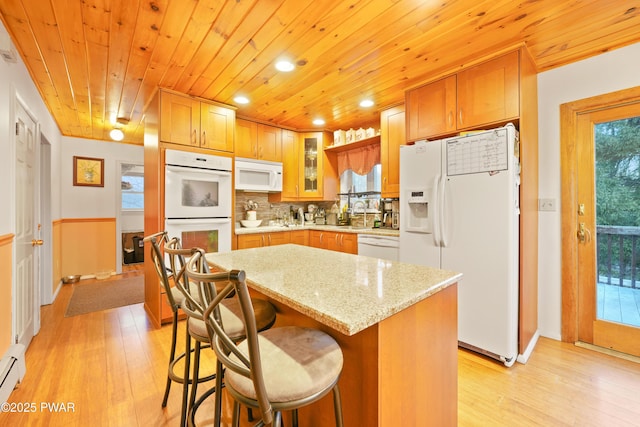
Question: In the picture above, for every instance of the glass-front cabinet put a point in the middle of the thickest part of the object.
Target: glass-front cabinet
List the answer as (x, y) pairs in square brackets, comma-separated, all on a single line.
[(318, 178), (308, 172), (311, 160)]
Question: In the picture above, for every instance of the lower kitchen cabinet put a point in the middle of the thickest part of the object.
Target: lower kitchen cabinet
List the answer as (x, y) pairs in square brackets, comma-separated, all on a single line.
[(300, 237), (258, 240), (335, 241)]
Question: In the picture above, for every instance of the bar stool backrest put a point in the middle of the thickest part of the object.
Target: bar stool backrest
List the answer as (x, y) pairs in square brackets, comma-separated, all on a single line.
[(178, 257), (158, 242)]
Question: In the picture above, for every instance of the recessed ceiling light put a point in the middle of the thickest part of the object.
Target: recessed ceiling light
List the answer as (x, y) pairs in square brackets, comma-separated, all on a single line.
[(366, 103), (241, 100), (285, 66), (318, 122), (116, 134)]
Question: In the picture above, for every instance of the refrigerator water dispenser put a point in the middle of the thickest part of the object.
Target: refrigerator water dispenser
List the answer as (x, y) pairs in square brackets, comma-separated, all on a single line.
[(417, 209)]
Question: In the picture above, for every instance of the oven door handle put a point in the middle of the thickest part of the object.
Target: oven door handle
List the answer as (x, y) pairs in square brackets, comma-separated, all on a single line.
[(182, 169)]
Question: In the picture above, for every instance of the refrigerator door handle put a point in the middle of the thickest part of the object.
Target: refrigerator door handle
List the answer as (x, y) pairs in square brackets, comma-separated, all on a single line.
[(444, 199), (434, 211)]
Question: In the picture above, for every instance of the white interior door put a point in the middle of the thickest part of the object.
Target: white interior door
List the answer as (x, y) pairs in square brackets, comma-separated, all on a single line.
[(24, 294)]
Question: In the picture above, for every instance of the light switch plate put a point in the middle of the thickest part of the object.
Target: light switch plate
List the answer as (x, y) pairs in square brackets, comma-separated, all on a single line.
[(548, 205)]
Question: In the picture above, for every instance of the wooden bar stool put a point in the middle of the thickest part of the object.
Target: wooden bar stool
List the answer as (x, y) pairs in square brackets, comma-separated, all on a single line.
[(280, 369)]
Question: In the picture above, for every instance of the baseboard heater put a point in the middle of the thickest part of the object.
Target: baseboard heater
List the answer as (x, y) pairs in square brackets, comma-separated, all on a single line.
[(12, 370)]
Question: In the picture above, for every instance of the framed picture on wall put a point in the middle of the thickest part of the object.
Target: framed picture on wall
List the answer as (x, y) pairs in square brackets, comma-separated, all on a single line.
[(88, 171)]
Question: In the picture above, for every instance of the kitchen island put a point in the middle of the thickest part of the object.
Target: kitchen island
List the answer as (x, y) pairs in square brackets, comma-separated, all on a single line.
[(395, 322)]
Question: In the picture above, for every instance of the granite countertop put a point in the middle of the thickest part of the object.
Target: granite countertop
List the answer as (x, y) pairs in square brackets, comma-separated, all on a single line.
[(340, 228), (346, 292)]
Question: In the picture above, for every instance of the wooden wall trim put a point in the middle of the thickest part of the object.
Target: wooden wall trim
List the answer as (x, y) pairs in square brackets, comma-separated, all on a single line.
[(6, 291), (529, 160), (80, 220), (6, 239), (569, 113)]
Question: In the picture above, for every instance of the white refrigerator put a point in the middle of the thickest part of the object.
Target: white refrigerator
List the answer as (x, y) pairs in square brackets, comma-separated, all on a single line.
[(459, 211)]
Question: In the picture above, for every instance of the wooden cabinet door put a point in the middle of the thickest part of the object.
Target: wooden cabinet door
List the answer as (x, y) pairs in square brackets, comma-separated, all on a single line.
[(340, 242), (217, 127), (333, 241), (318, 239), (392, 136), (279, 238), (246, 241), (349, 243), (269, 143), (290, 164), (310, 166), (179, 119), (300, 237), (246, 139), (489, 92), (431, 109)]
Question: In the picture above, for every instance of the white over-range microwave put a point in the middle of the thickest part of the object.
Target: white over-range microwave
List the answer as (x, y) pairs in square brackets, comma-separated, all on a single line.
[(258, 175)]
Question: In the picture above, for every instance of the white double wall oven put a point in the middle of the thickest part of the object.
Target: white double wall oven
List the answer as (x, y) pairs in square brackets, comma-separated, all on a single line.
[(198, 197)]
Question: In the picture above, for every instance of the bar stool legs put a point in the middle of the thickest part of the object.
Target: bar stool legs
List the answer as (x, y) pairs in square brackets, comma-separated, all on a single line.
[(172, 356)]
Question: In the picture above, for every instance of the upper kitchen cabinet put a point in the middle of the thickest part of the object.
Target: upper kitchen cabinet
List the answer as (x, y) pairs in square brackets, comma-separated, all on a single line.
[(431, 109), (308, 172), (485, 94), (317, 172), (196, 123), (290, 165), (258, 141), (488, 93), (392, 136)]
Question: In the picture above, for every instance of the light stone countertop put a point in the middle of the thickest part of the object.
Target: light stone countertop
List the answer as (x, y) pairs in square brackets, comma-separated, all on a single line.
[(346, 292), (343, 229)]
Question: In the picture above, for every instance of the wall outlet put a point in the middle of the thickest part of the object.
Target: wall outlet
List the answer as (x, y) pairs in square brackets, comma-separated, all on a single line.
[(548, 205)]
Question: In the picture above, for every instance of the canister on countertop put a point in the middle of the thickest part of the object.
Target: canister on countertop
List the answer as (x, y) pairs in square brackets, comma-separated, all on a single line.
[(331, 218)]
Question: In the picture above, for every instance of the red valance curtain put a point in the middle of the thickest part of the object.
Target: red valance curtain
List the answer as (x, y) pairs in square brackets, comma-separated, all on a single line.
[(360, 160)]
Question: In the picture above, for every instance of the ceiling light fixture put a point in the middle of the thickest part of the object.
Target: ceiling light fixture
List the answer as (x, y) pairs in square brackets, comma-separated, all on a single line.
[(241, 99), (116, 134), (366, 103), (285, 66), (318, 122)]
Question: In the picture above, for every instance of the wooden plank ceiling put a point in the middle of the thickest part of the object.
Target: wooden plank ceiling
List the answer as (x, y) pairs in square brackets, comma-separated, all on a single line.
[(96, 61)]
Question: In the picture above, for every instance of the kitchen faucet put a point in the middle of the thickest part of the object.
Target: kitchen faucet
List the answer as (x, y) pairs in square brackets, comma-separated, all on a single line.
[(364, 209)]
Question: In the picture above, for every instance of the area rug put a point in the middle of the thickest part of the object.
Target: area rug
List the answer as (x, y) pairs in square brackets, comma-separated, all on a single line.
[(105, 295)]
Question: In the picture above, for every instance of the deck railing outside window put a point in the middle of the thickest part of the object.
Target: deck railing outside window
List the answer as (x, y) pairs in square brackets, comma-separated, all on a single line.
[(618, 255)]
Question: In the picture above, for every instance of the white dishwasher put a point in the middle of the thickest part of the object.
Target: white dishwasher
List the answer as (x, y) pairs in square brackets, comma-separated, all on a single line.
[(385, 247)]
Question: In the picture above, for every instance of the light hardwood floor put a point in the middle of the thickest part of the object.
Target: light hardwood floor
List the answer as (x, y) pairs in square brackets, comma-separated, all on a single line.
[(110, 367)]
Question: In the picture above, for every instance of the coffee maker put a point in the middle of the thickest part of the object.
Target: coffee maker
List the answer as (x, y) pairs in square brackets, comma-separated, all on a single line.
[(390, 213)]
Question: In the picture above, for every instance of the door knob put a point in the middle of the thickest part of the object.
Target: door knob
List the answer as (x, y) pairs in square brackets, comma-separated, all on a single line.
[(584, 235), (37, 242)]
